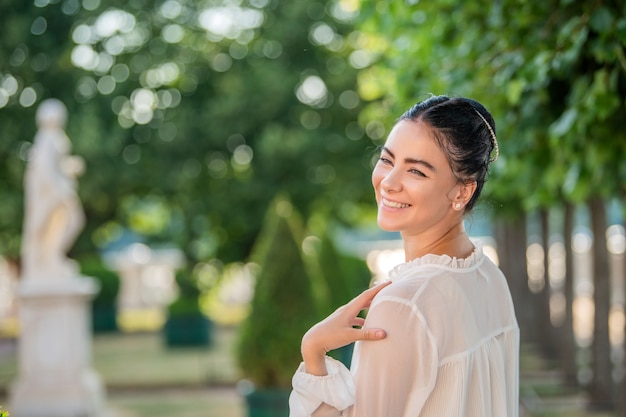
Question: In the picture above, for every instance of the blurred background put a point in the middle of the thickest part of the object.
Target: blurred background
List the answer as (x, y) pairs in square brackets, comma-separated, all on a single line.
[(228, 146)]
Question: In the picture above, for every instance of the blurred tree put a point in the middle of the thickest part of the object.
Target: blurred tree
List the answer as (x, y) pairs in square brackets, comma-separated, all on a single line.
[(191, 115), (30, 63), (284, 305)]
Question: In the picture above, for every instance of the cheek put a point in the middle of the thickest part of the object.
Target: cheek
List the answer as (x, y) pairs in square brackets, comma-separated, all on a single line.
[(377, 177)]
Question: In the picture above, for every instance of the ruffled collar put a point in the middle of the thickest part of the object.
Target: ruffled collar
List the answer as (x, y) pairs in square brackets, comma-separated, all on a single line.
[(440, 261)]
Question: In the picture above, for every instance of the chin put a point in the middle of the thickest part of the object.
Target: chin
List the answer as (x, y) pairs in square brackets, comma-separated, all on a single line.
[(387, 227)]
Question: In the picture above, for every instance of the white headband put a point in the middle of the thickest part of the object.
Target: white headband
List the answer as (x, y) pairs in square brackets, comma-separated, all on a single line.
[(493, 137)]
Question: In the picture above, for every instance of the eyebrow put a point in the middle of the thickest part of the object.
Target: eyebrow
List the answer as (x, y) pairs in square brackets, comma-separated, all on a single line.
[(412, 160)]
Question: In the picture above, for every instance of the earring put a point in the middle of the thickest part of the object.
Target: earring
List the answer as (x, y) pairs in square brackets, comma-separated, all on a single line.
[(457, 206)]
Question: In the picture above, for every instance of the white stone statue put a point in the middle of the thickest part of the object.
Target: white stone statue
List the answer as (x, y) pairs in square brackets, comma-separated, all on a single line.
[(53, 215), (55, 377)]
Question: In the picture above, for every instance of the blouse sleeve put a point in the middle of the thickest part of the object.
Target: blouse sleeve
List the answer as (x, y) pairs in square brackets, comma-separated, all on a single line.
[(395, 376), (389, 377), (321, 396)]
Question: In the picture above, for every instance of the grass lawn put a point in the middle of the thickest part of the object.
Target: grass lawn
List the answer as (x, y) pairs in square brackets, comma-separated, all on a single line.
[(214, 402), (143, 361), (144, 378)]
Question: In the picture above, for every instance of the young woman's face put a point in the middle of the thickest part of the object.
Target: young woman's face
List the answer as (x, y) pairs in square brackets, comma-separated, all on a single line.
[(414, 184)]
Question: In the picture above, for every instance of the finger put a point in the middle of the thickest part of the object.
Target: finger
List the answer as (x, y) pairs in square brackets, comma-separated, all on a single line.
[(371, 292), (364, 299), (369, 334), (358, 321)]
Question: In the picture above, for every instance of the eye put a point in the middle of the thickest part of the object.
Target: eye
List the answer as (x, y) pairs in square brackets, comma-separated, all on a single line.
[(417, 172), (384, 160)]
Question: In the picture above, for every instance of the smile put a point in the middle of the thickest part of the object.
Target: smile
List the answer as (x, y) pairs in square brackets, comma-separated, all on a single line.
[(394, 204)]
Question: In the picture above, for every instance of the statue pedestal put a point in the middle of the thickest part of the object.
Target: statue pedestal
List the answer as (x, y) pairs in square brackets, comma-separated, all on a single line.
[(55, 378)]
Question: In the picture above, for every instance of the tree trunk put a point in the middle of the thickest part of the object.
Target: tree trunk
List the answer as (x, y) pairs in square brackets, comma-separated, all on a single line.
[(548, 331), (568, 341), (601, 387), (623, 382), (511, 242)]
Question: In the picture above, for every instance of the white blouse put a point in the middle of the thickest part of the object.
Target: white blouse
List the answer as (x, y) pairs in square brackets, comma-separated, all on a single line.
[(452, 348)]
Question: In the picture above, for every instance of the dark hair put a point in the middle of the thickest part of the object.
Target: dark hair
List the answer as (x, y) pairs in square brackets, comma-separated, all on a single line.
[(460, 128)]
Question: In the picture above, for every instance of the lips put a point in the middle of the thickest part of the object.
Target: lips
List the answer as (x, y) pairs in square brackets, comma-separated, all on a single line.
[(394, 204)]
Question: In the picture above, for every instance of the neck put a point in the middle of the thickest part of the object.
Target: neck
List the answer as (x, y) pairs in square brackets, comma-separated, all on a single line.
[(454, 242)]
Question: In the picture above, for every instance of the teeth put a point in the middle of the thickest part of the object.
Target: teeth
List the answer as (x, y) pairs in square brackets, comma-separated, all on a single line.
[(393, 204)]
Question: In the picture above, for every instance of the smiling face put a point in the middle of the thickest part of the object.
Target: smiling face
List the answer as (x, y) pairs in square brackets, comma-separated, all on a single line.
[(415, 187)]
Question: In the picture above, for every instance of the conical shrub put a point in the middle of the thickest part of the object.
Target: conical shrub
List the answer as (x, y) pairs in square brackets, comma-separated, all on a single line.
[(343, 276), (283, 307)]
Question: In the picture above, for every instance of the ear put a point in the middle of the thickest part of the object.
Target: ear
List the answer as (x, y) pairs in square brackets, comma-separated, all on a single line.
[(463, 195)]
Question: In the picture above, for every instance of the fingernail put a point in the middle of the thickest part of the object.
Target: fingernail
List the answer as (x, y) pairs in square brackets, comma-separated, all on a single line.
[(379, 334)]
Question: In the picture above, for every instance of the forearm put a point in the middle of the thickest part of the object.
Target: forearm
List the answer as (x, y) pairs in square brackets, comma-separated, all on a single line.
[(314, 359)]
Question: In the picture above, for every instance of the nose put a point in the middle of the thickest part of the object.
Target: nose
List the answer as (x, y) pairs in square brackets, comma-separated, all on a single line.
[(391, 182)]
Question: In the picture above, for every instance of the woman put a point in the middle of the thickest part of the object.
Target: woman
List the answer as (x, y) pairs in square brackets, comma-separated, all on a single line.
[(440, 338)]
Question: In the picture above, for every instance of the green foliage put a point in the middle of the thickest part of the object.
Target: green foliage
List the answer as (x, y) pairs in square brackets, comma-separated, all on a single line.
[(283, 307), (186, 131), (104, 304), (344, 276), (184, 306), (186, 324), (188, 301), (553, 75), (108, 280), (358, 275)]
